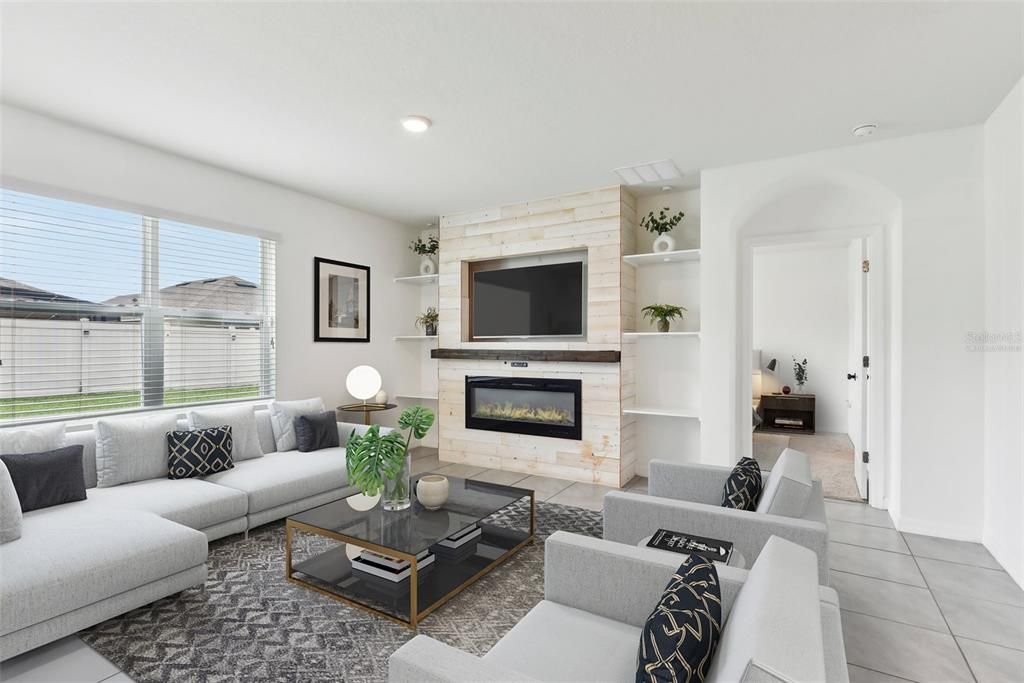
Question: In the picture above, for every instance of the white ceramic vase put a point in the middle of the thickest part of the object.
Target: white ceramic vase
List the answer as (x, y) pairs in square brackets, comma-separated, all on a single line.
[(432, 491), (427, 266), (665, 242)]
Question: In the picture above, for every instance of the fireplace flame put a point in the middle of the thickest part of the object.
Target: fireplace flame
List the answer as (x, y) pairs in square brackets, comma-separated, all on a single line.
[(522, 413)]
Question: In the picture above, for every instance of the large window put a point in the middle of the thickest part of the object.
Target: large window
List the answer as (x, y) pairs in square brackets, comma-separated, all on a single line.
[(106, 311)]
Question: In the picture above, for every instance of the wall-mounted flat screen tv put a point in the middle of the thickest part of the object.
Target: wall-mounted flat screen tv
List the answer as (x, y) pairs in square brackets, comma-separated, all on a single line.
[(531, 301)]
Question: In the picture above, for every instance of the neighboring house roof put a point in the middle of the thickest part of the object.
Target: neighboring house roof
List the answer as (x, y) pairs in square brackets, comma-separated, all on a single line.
[(12, 290), (228, 293)]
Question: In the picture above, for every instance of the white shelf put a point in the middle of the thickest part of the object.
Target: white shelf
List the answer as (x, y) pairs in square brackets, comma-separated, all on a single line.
[(663, 412), (416, 337), (643, 335), (678, 256), (417, 280), (418, 397)]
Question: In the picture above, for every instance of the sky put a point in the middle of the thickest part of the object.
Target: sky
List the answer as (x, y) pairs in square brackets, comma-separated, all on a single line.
[(96, 254)]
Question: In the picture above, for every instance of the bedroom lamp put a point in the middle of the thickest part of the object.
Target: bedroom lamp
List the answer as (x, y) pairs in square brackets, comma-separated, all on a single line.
[(772, 364), (363, 382)]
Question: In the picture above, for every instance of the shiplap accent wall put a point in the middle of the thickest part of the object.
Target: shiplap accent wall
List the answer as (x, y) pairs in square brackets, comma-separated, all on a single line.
[(603, 223)]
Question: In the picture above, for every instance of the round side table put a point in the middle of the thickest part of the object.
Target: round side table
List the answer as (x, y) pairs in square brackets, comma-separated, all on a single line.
[(366, 409)]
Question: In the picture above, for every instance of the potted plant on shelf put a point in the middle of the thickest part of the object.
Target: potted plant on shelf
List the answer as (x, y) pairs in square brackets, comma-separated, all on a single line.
[(426, 249), (428, 321), (800, 374), (663, 314), (380, 462), (662, 224)]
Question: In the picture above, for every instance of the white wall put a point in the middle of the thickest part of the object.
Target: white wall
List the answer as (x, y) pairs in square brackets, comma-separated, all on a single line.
[(41, 152), (1004, 315), (801, 309), (926, 191)]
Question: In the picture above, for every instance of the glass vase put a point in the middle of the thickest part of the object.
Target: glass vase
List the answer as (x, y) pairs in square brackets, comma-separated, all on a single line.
[(397, 491)]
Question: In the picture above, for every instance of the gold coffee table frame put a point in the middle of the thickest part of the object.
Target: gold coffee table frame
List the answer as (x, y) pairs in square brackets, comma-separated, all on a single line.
[(415, 615)]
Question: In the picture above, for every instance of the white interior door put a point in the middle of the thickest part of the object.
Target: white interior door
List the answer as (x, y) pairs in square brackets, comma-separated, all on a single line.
[(857, 377)]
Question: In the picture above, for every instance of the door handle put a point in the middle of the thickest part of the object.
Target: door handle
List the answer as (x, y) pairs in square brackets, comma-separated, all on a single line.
[(851, 375)]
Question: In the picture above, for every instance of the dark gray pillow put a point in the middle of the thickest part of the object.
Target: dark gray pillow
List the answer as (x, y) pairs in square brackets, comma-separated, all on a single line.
[(316, 431), (49, 478)]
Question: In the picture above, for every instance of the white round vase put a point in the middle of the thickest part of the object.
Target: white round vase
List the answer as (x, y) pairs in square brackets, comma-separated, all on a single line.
[(427, 266), (432, 491), (665, 242)]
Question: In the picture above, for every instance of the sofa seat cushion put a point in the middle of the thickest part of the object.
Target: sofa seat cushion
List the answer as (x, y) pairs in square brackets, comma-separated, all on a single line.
[(192, 502), (281, 478), (554, 642), (73, 555)]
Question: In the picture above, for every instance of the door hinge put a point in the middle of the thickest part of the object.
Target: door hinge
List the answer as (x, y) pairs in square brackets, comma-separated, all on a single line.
[(866, 362), (865, 458), (865, 265)]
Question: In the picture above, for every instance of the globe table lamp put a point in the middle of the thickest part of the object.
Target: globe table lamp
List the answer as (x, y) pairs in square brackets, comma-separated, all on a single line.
[(363, 382)]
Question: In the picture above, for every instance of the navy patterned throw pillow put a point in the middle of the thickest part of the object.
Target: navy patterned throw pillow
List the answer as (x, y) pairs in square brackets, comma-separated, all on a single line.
[(680, 637), (198, 452), (743, 487)]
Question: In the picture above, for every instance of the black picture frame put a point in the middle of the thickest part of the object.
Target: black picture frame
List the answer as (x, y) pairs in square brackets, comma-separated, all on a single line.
[(322, 329)]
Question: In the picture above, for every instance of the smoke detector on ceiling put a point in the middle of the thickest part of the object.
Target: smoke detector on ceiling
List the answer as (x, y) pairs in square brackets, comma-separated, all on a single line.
[(864, 130), (650, 172)]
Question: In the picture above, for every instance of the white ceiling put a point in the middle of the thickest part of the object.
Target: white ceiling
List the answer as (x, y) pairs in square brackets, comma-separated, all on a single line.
[(528, 100)]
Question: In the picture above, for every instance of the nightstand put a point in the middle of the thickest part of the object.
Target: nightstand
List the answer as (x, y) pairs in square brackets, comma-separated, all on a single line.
[(786, 413)]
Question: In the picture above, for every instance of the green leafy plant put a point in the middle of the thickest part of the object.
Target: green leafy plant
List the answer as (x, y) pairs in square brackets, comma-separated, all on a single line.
[(800, 372), (425, 248), (373, 459), (427, 318), (662, 312), (661, 223)]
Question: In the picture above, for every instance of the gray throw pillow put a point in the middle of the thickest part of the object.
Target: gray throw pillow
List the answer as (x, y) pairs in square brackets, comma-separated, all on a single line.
[(242, 420), (46, 479), (132, 448), (36, 439), (10, 507), (282, 419), (313, 432)]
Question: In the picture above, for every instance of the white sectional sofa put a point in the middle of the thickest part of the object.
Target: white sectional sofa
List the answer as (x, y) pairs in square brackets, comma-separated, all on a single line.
[(125, 546)]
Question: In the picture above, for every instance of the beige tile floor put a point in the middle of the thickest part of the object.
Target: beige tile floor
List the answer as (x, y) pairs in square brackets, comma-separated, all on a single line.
[(914, 608)]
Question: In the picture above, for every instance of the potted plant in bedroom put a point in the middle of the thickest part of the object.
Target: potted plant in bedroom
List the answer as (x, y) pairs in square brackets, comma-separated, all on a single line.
[(426, 249), (662, 224), (663, 314), (428, 321), (800, 374), (380, 462)]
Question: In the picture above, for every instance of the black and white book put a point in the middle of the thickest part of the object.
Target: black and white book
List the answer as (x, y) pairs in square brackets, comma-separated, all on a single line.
[(390, 568), (689, 544), (461, 538)]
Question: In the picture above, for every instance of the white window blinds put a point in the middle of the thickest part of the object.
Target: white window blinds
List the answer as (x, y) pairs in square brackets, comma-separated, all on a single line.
[(110, 311)]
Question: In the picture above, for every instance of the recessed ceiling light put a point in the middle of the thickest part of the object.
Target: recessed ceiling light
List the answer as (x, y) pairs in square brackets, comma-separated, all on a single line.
[(864, 130), (666, 188), (415, 123)]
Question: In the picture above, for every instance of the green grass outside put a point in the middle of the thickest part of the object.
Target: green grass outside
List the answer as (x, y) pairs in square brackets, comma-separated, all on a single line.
[(40, 406)]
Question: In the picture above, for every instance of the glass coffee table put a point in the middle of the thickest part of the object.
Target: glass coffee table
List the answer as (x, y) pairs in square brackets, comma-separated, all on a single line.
[(327, 547)]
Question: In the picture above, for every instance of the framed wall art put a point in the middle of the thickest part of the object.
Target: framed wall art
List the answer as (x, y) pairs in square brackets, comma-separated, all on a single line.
[(341, 301)]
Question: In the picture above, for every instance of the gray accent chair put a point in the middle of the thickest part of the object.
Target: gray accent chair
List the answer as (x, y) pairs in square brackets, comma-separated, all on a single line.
[(780, 625), (688, 498)]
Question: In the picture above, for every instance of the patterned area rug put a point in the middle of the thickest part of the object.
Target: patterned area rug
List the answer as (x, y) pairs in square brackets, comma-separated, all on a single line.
[(248, 623)]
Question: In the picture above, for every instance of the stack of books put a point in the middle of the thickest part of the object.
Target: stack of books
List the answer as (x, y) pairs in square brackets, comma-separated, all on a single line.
[(389, 568), (459, 545)]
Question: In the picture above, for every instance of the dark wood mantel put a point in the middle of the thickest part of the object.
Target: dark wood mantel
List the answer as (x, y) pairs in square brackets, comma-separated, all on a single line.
[(561, 356)]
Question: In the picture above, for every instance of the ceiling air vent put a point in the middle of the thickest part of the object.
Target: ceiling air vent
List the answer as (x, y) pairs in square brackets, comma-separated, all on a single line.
[(650, 172)]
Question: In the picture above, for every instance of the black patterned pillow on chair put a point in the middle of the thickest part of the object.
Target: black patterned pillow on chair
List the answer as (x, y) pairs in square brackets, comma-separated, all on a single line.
[(198, 452), (679, 638), (743, 487)]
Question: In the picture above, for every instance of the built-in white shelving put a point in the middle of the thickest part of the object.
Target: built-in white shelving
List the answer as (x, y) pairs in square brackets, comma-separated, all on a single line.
[(417, 397), (690, 413), (417, 280), (678, 256), (416, 337), (646, 335)]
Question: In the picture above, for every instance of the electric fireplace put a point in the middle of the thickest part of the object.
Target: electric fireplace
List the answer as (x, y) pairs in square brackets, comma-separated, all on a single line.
[(524, 405)]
